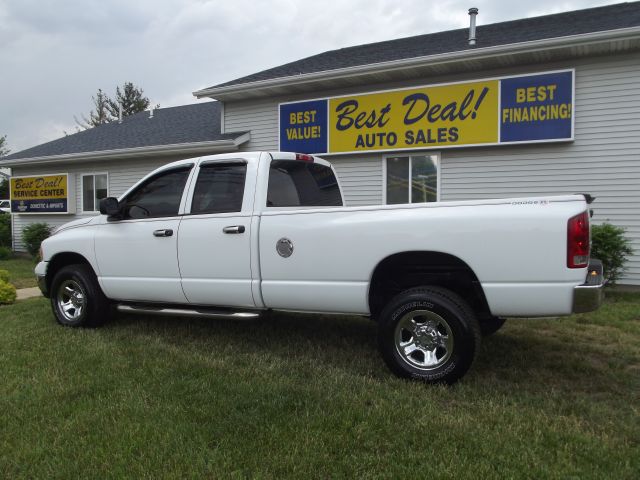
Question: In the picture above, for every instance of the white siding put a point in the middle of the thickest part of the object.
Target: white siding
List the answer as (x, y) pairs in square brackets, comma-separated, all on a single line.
[(259, 116), (361, 179), (604, 160), (122, 174)]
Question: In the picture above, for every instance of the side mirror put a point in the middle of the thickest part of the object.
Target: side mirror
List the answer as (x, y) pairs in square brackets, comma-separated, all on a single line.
[(109, 206)]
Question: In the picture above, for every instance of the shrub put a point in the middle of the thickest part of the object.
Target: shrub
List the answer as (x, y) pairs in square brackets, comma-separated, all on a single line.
[(5, 230), (609, 244), (33, 236), (4, 276), (5, 253), (7, 292)]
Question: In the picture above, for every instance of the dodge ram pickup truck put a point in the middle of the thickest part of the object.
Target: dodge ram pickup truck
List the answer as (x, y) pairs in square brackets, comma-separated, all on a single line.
[(240, 234)]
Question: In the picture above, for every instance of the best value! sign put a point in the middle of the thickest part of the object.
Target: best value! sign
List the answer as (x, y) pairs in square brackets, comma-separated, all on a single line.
[(522, 109), (40, 194)]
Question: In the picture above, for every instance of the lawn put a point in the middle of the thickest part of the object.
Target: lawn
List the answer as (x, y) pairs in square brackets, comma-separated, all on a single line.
[(21, 271), (298, 396)]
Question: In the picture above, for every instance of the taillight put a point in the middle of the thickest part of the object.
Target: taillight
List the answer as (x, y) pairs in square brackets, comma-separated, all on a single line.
[(578, 241), (304, 157)]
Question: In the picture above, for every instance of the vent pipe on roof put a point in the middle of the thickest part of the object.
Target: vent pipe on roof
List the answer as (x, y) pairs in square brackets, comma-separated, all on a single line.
[(119, 113), (151, 112), (472, 25)]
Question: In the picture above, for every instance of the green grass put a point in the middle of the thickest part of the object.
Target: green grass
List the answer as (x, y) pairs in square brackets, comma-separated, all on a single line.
[(299, 396), (20, 271)]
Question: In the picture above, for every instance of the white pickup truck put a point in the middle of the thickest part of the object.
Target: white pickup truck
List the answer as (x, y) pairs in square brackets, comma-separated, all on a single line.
[(244, 233)]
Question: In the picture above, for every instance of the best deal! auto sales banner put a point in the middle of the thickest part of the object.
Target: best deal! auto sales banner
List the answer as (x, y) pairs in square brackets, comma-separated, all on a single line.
[(522, 109)]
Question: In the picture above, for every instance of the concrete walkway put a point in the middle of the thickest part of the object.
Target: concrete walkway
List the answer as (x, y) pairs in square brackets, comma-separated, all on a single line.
[(23, 293)]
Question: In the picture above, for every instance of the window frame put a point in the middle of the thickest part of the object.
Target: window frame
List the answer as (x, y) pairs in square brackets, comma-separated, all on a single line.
[(410, 155), (92, 174)]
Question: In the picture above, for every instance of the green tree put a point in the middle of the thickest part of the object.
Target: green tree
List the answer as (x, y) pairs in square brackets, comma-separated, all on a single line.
[(4, 188), (4, 149), (99, 115), (131, 98), (107, 109)]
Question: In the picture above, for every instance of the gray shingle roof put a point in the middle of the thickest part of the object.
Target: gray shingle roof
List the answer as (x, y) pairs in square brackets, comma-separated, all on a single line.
[(174, 125), (590, 20)]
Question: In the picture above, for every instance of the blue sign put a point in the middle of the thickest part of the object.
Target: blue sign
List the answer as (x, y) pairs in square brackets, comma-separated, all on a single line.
[(536, 107), (303, 127), (47, 205)]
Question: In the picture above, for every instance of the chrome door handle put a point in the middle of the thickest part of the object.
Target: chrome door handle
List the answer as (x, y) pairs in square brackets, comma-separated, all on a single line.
[(165, 232), (234, 229)]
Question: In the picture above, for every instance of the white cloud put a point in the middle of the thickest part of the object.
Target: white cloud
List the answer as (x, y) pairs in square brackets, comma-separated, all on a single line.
[(55, 55)]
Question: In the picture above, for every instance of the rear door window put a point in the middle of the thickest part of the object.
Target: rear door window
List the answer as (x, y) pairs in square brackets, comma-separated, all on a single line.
[(219, 189), (293, 183)]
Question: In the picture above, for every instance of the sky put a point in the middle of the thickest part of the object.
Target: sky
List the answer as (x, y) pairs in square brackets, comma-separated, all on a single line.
[(55, 54)]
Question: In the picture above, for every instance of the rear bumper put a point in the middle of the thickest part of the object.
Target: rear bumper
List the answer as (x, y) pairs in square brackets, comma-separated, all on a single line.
[(41, 276), (589, 296)]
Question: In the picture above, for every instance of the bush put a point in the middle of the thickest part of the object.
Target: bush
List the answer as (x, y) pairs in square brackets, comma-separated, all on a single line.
[(4, 276), (609, 244), (5, 253), (7, 292), (5, 230), (34, 235)]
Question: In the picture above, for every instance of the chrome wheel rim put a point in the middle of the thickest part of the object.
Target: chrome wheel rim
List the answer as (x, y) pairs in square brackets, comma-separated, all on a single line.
[(424, 339), (72, 300)]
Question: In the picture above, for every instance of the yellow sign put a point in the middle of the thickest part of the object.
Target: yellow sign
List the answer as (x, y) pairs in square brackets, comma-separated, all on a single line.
[(436, 116), (43, 194), (535, 107)]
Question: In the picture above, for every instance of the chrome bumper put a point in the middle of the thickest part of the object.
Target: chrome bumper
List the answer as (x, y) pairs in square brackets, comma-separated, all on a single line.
[(41, 276), (589, 296)]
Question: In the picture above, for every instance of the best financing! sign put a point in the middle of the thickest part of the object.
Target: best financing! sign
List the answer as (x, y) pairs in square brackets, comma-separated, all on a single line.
[(40, 194), (522, 109)]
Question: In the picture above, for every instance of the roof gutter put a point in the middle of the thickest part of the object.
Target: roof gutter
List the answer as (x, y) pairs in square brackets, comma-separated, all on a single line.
[(172, 149), (439, 59)]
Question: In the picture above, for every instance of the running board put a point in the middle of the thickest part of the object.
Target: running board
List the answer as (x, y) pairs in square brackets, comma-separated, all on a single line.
[(186, 312)]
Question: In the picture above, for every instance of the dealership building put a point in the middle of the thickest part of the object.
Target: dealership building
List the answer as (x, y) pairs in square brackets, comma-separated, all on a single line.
[(525, 108)]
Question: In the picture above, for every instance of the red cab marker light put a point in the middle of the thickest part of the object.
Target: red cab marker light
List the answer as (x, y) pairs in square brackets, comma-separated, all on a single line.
[(304, 157)]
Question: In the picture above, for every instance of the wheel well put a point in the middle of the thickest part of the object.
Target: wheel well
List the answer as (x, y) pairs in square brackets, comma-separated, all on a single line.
[(402, 271), (60, 260)]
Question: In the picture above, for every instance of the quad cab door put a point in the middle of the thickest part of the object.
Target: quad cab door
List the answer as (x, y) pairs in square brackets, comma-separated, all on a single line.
[(137, 254), (214, 242)]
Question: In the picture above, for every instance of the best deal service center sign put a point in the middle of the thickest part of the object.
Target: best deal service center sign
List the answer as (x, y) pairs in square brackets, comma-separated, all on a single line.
[(507, 110), (42, 194)]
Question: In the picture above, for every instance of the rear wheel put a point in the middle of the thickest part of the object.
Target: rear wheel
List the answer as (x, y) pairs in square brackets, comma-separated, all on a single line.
[(489, 326), (429, 334), (77, 299)]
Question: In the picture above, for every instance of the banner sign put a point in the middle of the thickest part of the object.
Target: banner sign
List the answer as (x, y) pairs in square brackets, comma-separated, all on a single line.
[(40, 194), (522, 109)]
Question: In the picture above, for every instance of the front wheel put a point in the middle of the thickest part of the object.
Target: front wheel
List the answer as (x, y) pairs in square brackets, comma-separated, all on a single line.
[(77, 299), (429, 334)]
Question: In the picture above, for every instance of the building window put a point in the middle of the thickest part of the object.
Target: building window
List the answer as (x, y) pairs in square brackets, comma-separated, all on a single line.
[(411, 179), (94, 189)]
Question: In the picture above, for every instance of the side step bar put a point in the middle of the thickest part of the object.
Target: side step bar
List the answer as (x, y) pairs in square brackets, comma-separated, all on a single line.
[(186, 312)]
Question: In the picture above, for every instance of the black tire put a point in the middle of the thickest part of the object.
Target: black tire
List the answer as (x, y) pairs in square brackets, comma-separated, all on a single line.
[(77, 287), (429, 309), (489, 326)]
